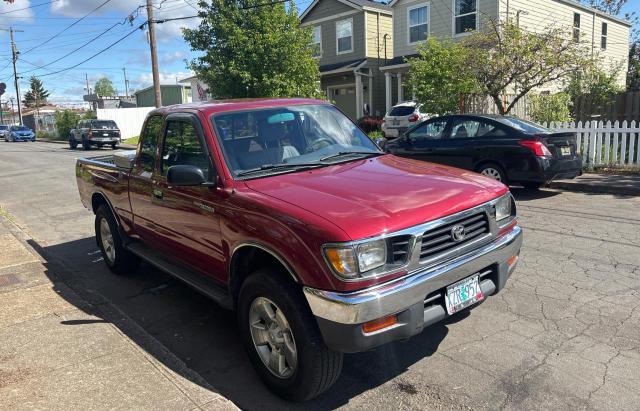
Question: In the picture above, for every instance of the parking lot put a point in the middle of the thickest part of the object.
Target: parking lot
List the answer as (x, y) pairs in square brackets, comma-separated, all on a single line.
[(565, 333)]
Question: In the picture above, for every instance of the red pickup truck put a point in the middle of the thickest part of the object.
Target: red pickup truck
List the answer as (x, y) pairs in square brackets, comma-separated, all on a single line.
[(285, 211)]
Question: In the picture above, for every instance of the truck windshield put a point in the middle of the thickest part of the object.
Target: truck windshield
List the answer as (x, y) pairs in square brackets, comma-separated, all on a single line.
[(100, 124), (283, 139)]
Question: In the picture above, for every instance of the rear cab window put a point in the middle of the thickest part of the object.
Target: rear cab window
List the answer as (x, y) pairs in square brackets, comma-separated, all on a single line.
[(103, 124)]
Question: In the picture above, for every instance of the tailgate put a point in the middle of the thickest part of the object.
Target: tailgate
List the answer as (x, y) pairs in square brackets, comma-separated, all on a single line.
[(561, 145)]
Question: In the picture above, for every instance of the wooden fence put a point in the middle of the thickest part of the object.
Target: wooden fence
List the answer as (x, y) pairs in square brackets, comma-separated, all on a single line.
[(605, 143), (620, 107), (479, 104)]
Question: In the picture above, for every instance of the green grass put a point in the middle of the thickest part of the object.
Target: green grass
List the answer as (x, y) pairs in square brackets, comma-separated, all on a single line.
[(133, 140)]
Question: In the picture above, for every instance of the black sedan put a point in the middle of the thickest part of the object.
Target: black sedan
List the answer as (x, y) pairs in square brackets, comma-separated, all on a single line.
[(505, 148)]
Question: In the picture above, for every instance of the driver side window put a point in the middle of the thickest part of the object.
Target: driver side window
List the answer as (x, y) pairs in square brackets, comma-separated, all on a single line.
[(182, 146), (432, 130)]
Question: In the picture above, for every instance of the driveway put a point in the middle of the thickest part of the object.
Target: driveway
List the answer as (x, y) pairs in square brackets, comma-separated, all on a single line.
[(565, 333)]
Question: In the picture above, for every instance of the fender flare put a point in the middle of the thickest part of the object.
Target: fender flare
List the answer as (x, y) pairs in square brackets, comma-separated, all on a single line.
[(275, 254)]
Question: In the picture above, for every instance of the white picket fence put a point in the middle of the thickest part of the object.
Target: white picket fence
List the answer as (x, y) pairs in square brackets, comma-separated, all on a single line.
[(604, 143), (129, 120)]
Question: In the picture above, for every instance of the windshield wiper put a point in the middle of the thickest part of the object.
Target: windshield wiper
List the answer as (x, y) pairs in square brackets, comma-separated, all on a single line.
[(349, 153), (283, 166)]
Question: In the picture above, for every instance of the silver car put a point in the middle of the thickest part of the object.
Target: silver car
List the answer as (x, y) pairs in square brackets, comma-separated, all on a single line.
[(4, 132), (400, 118)]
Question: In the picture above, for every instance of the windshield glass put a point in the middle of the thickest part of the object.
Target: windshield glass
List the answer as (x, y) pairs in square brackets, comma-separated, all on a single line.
[(3, 127), (287, 137), (523, 125), (103, 124), (19, 128)]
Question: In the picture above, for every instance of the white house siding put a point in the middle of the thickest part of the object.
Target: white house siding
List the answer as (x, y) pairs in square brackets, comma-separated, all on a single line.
[(377, 25), (541, 14), (440, 21)]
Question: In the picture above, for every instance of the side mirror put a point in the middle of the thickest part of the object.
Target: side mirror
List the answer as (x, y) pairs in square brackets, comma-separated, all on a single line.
[(380, 142), (185, 175)]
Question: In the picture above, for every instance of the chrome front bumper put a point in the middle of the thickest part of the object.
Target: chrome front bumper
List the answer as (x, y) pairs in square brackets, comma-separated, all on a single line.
[(398, 295)]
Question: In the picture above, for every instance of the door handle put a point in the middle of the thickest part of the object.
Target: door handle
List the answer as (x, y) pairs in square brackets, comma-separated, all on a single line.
[(157, 193)]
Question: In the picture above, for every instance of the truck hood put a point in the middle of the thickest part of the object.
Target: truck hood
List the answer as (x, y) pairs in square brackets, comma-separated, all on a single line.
[(369, 197)]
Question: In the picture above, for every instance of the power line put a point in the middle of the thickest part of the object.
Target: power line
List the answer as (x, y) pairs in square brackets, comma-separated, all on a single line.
[(30, 7), (67, 28)]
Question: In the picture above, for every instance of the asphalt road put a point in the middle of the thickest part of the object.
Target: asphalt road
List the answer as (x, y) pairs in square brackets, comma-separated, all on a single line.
[(565, 333)]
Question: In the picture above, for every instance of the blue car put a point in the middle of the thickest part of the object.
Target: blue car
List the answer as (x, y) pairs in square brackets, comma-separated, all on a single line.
[(21, 133)]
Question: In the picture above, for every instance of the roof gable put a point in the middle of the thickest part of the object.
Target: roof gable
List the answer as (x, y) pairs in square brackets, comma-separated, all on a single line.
[(325, 8)]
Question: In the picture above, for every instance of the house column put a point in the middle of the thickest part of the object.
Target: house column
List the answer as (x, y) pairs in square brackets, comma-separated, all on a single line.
[(371, 112), (359, 95), (400, 90), (387, 90)]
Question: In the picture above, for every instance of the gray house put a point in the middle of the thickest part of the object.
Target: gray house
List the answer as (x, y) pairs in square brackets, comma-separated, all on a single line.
[(353, 40)]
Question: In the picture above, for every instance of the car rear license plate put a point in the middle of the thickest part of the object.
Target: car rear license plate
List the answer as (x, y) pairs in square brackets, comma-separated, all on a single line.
[(565, 151), (396, 122), (463, 294)]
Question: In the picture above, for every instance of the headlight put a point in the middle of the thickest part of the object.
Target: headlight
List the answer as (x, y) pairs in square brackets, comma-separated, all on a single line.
[(503, 208), (351, 261)]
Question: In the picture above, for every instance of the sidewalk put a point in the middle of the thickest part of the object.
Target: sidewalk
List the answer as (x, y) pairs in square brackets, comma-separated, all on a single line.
[(121, 146), (58, 351), (617, 184)]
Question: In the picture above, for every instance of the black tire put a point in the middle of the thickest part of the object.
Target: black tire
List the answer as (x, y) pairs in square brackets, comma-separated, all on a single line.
[(532, 186), (114, 146), (100, 145), (318, 367), (493, 170), (73, 144), (123, 261), (86, 145)]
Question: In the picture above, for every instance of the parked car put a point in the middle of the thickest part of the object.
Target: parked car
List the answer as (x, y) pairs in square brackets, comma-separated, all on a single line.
[(20, 133), (400, 118), (284, 210), (507, 149), (4, 132), (95, 133)]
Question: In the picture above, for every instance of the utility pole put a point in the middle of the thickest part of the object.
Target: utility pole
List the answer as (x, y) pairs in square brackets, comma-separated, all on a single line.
[(13, 116), (126, 83), (14, 54), (154, 54), (86, 78)]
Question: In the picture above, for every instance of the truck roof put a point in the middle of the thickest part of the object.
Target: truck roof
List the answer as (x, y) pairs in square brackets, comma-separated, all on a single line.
[(218, 106)]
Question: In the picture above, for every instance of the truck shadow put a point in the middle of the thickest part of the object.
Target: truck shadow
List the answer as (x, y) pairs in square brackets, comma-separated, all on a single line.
[(203, 336)]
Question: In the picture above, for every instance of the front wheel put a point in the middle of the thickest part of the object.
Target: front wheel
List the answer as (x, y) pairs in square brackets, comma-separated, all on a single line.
[(73, 144), (86, 145), (282, 338), (118, 258), (114, 146)]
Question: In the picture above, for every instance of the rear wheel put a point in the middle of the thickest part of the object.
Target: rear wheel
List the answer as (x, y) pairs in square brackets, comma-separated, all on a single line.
[(282, 338), (532, 186), (494, 171), (118, 259)]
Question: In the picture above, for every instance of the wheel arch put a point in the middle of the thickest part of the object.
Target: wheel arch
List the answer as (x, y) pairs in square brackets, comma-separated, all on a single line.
[(250, 255), (97, 199)]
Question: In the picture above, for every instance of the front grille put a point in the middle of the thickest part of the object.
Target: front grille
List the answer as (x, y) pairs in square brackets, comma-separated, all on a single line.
[(439, 240), (398, 249)]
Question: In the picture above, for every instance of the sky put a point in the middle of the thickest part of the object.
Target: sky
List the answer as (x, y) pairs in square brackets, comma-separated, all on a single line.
[(43, 19)]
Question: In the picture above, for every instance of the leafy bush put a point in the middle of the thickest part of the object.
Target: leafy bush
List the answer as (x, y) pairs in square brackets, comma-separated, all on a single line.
[(370, 124), (550, 107), (65, 121), (45, 134)]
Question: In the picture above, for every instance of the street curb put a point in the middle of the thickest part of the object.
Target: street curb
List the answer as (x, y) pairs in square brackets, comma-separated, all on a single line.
[(147, 345), (123, 146), (597, 189)]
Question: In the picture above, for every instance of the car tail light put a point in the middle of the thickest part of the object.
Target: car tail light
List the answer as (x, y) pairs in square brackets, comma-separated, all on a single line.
[(413, 118), (538, 147)]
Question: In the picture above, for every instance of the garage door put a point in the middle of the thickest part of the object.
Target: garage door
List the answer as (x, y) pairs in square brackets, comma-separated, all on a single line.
[(345, 99)]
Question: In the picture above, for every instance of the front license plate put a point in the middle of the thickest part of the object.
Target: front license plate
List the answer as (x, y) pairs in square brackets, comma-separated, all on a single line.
[(463, 294), (105, 134), (565, 151)]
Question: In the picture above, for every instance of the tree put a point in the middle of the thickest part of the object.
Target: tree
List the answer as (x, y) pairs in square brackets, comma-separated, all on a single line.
[(633, 75), (544, 108), (253, 51), (37, 95), (65, 121), (104, 87), (508, 60), (598, 85), (439, 76)]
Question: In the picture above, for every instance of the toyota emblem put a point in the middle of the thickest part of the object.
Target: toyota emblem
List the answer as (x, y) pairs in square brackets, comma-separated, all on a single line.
[(457, 233)]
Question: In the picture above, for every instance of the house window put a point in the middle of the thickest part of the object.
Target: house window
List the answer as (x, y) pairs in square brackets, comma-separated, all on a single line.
[(418, 18), (576, 27), (465, 16), (316, 42), (344, 36), (603, 36)]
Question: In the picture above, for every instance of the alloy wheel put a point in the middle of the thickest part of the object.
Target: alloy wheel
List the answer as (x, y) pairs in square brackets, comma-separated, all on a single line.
[(272, 337), (108, 243), (491, 173)]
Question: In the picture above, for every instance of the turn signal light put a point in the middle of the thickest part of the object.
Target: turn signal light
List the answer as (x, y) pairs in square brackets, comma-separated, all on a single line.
[(379, 324), (512, 260)]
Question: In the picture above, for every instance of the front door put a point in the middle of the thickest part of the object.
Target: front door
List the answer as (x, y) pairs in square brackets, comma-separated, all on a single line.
[(189, 216), (423, 142)]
